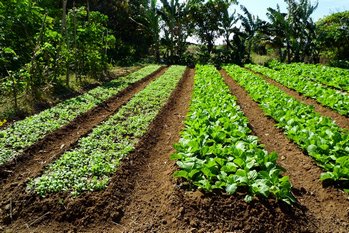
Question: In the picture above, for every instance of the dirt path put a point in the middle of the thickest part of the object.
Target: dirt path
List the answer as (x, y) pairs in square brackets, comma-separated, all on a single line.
[(14, 176), (45, 150), (327, 206), (341, 120), (143, 196), (102, 211), (149, 205)]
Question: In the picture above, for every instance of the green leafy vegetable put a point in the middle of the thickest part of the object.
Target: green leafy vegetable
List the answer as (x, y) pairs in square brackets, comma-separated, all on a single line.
[(89, 166), (319, 136), (22, 134), (217, 150)]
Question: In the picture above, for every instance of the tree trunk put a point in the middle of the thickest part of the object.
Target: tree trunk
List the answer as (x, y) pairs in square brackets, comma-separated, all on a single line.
[(288, 48), (75, 50), (64, 17), (14, 92), (88, 9), (65, 35)]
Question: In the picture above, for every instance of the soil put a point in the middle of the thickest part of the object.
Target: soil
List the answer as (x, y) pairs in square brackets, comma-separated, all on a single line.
[(96, 210), (143, 196), (15, 175), (341, 121), (47, 149), (327, 208)]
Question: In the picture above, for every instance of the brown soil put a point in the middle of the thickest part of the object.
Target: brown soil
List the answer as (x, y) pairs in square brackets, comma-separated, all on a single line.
[(340, 120), (47, 149), (97, 210), (15, 175), (143, 196), (326, 208)]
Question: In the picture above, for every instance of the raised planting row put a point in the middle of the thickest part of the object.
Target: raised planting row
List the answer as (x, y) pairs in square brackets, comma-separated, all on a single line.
[(90, 164), (330, 76), (329, 97), (217, 150), (319, 136), (22, 134)]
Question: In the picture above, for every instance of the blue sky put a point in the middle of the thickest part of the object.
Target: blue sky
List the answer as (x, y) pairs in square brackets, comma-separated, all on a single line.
[(326, 7), (259, 7)]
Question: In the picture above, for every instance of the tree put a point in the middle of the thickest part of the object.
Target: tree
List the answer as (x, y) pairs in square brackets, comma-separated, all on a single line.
[(20, 21), (278, 31), (333, 31), (293, 33), (251, 24), (153, 23), (227, 26), (302, 27), (174, 15), (207, 18)]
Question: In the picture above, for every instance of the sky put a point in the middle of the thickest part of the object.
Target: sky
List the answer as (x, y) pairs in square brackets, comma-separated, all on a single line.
[(259, 8), (326, 7)]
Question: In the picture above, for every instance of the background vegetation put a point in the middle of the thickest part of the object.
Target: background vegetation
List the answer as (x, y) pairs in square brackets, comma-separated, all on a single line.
[(54, 45)]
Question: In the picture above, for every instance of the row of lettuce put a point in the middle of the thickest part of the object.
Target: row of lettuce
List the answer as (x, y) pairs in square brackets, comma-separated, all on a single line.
[(89, 165), (217, 149), (22, 134), (290, 77), (329, 76), (319, 136)]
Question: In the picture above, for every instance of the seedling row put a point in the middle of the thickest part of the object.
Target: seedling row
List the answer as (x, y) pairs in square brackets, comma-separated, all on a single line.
[(22, 134), (319, 136), (89, 166), (326, 96), (217, 149), (330, 76)]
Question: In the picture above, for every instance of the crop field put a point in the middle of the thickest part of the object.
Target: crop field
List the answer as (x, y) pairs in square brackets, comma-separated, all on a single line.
[(175, 149)]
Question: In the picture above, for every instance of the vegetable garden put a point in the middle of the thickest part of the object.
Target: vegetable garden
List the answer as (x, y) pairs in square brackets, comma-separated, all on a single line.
[(185, 150), (174, 116)]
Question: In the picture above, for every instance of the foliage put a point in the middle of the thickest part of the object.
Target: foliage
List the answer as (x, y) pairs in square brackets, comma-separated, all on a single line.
[(176, 28), (293, 33), (22, 134), (319, 136), (290, 78), (2, 122), (329, 76), (20, 20), (35, 49), (217, 150), (89, 166), (333, 38)]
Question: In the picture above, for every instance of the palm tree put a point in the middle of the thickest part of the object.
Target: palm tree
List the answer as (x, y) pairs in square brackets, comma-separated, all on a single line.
[(227, 25), (251, 25), (278, 31), (302, 26), (174, 15)]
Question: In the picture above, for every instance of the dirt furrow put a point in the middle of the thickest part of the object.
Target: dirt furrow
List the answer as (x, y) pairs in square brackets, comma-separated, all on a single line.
[(102, 211), (149, 205), (45, 150), (340, 120), (16, 175), (326, 208)]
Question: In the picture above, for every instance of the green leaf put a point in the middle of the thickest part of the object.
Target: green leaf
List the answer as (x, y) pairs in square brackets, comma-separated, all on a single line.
[(231, 188), (248, 198), (181, 173), (327, 176), (240, 162)]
